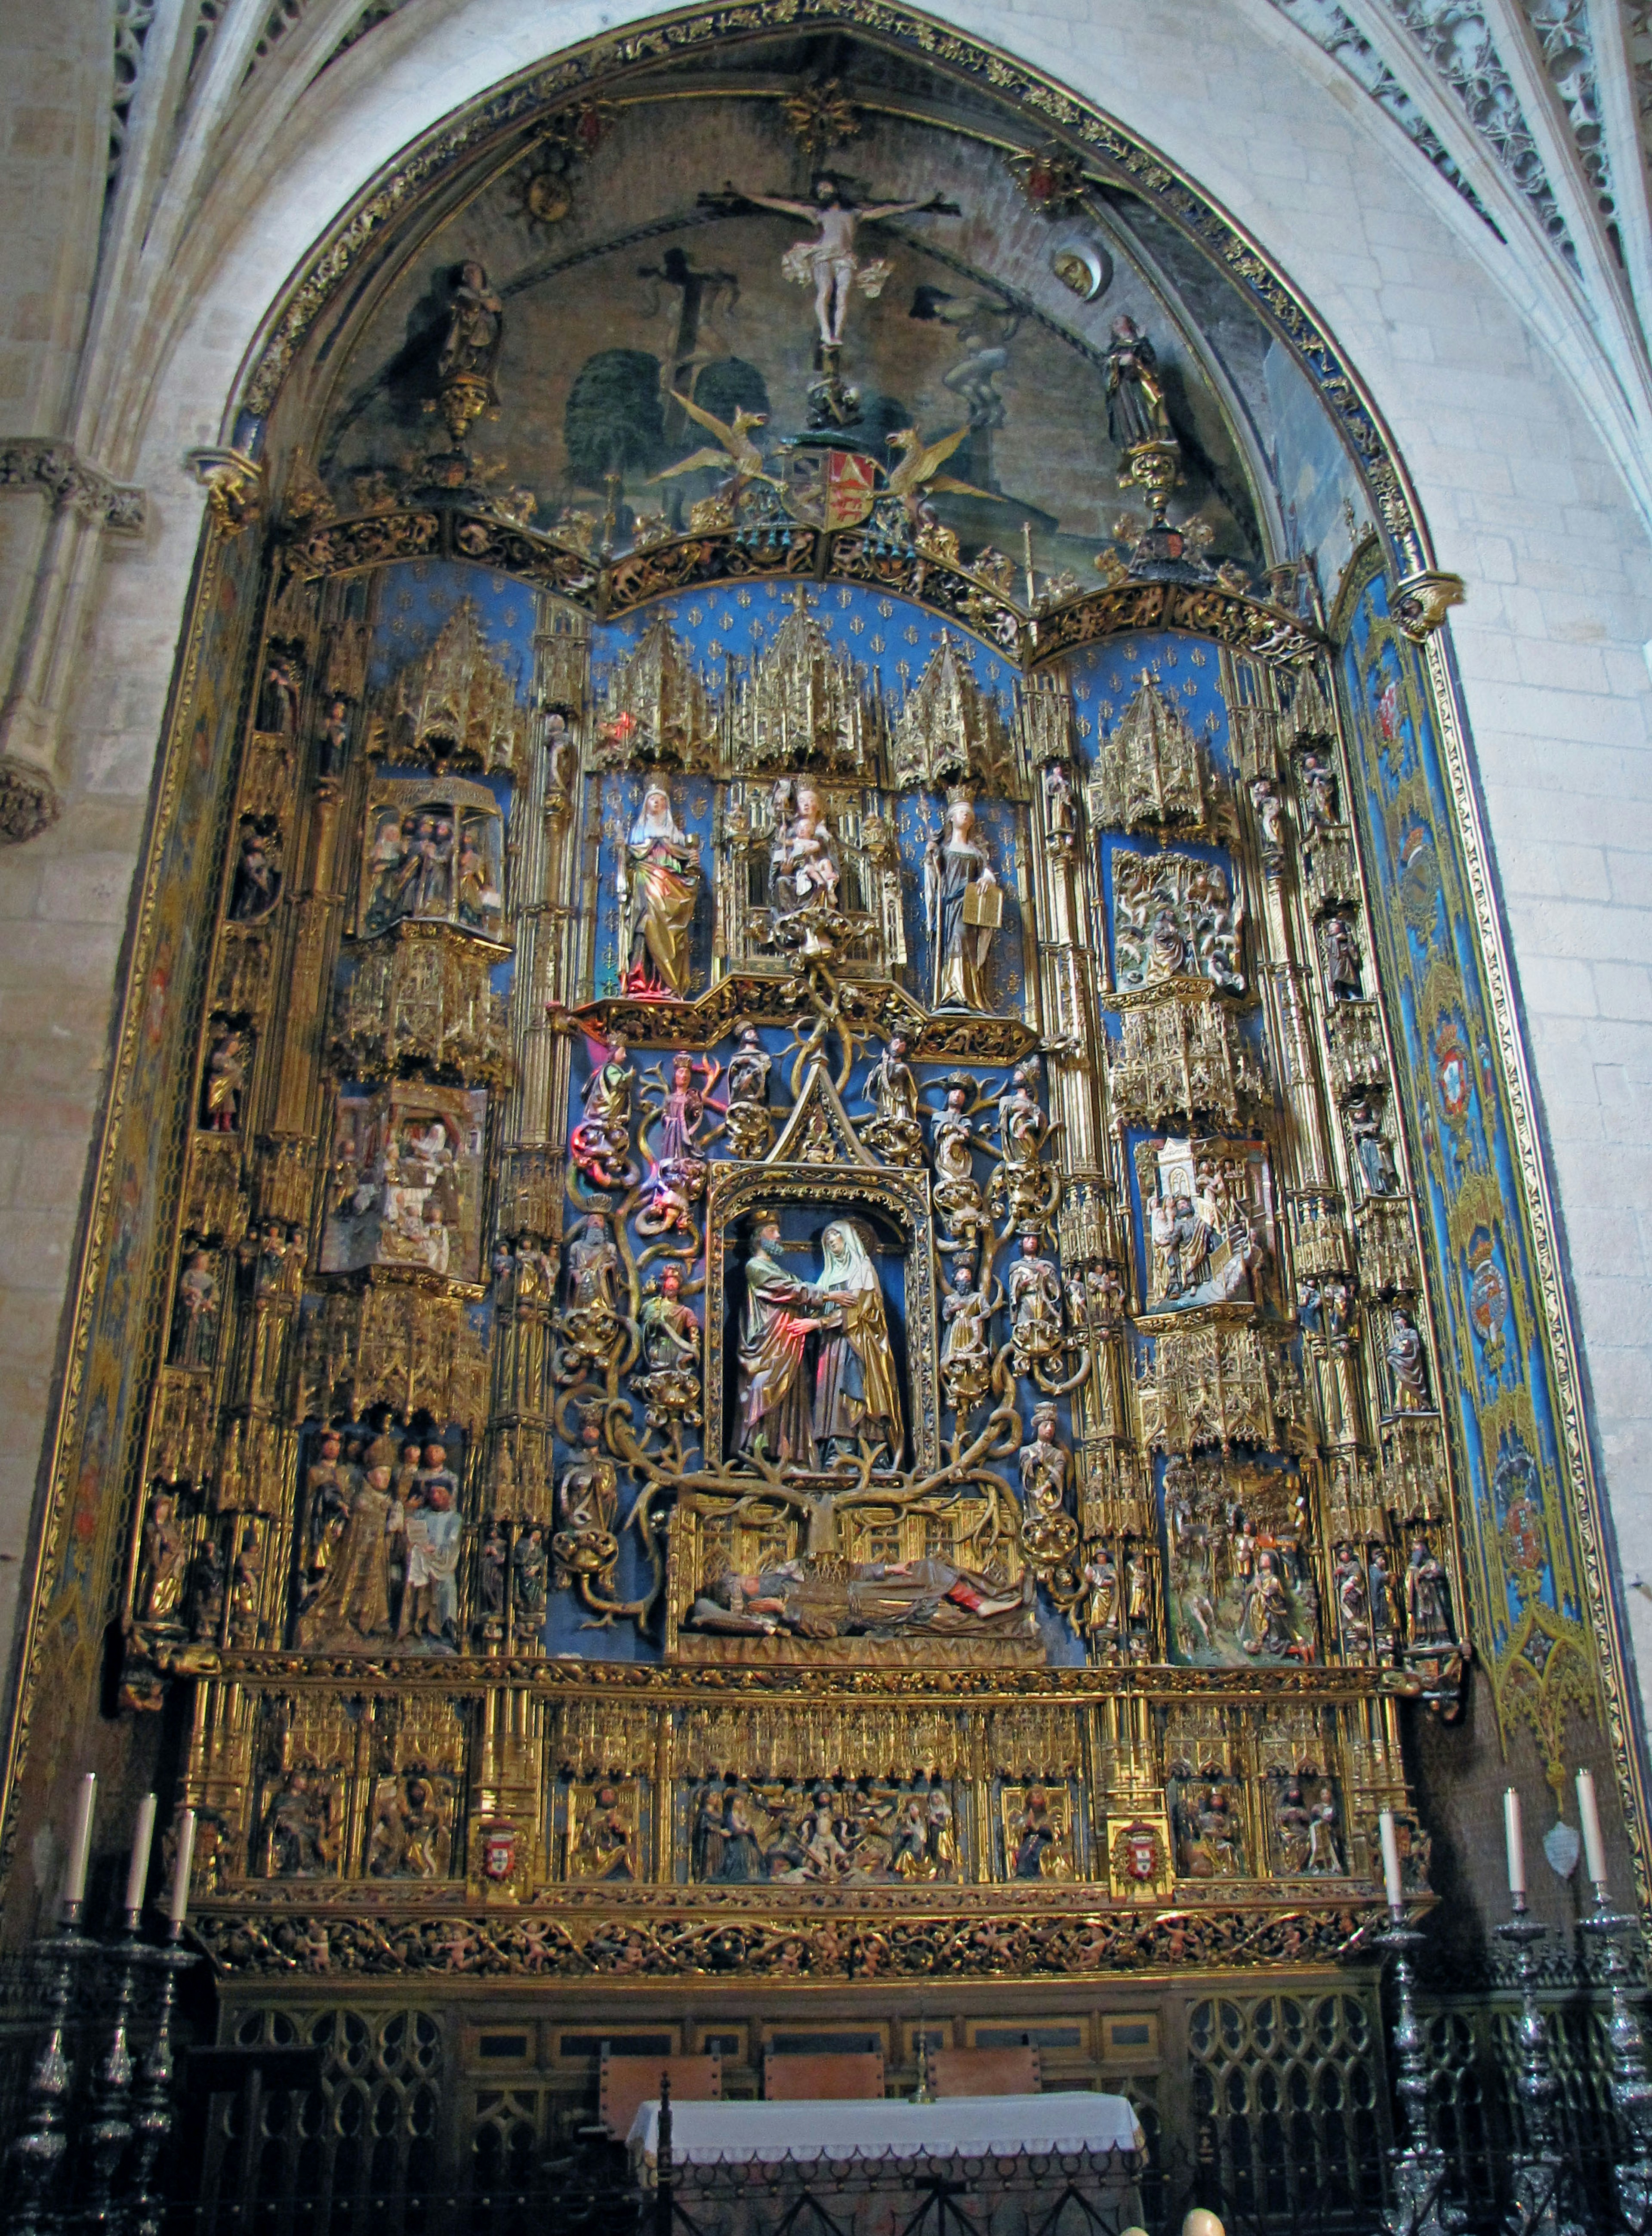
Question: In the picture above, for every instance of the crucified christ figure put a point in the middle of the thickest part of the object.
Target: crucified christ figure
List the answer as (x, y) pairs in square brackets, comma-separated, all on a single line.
[(829, 261)]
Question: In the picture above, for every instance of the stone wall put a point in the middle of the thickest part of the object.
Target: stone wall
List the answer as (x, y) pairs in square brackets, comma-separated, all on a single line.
[(1446, 325)]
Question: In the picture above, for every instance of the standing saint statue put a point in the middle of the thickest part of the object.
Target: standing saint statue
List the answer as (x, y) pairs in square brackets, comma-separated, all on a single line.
[(774, 1325), (659, 883), (962, 906), (829, 260), (856, 1391), (1136, 408)]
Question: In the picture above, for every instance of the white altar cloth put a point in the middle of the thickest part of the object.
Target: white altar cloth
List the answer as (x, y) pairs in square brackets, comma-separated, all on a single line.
[(960, 2127)]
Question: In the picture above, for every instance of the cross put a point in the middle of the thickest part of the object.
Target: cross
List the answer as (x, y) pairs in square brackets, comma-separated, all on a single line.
[(698, 289)]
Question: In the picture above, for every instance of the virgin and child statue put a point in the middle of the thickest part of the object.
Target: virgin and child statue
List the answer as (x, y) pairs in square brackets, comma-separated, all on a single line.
[(785, 1412), (659, 883)]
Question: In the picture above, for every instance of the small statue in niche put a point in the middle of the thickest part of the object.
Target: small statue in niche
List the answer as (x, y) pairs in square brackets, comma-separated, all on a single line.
[(1353, 1600), (803, 866), (478, 903), (1266, 1626), (1323, 1858), (1371, 1149), (659, 884), (247, 1583), (1034, 1288), (1212, 1844), (601, 1145), (434, 1535), (561, 753), (1408, 1367), (1305, 1822), (194, 1313), (301, 1844), (893, 1133), (411, 1837), (1037, 1840), (1317, 785), (963, 906), (1136, 408), (746, 1124), (1427, 1605), (966, 1358), (224, 1082), (352, 1599), (162, 1563), (1044, 1463), (328, 1489), (206, 1579), (1264, 797), (1338, 1307), (1099, 1607), (332, 745), (1343, 972), (475, 329), (490, 1574), (279, 695), (257, 884), (528, 1579), (601, 1845), (1060, 816), (1385, 1614)]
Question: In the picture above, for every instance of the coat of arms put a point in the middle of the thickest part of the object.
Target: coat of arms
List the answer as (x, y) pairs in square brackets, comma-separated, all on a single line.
[(498, 1852)]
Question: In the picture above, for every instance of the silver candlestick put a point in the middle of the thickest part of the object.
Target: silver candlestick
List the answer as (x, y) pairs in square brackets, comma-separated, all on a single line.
[(37, 2154), (152, 2101), (1538, 2172), (1417, 2170), (108, 2134), (1630, 2087)]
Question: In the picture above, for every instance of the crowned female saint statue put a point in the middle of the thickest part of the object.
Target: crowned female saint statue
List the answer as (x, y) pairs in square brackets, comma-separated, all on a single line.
[(963, 906), (856, 1394), (659, 883)]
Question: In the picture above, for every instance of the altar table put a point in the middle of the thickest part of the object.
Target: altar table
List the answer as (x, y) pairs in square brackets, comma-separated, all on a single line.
[(996, 2158)]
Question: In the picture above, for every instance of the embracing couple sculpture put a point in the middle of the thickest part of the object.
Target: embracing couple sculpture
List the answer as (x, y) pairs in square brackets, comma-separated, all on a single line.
[(855, 1393)]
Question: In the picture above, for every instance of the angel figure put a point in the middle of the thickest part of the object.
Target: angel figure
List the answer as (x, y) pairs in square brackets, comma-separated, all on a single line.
[(735, 449), (829, 261)]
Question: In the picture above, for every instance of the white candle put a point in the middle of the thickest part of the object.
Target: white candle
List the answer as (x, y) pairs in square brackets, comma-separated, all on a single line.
[(142, 1838), (80, 1840), (178, 1899), (1391, 1879), (1515, 1842), (1594, 1846)]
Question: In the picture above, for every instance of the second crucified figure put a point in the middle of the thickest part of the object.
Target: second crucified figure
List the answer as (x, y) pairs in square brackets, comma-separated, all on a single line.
[(829, 261)]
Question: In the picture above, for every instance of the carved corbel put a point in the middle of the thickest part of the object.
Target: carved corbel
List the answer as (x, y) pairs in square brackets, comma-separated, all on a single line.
[(29, 802), (72, 482), (233, 484), (1422, 601)]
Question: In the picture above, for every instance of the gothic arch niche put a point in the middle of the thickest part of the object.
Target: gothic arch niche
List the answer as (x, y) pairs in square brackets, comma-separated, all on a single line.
[(714, 742)]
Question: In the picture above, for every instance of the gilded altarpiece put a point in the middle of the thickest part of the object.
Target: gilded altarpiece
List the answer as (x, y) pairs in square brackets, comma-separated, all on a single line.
[(844, 1279), (779, 1301)]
